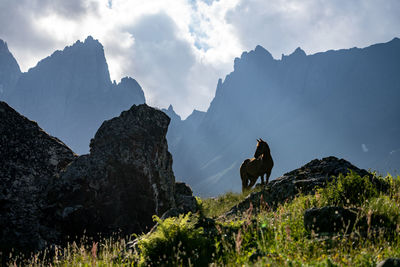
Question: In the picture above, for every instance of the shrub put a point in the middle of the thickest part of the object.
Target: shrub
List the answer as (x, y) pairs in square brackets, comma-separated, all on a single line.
[(176, 241), (348, 190), (382, 214)]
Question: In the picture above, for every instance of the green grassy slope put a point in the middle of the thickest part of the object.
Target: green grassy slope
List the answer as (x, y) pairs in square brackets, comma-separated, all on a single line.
[(264, 238)]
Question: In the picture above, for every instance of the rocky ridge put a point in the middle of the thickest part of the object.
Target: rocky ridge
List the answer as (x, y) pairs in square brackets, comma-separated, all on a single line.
[(304, 180)]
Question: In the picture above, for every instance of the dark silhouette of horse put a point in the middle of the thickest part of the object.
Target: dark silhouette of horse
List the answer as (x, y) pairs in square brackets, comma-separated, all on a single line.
[(261, 164)]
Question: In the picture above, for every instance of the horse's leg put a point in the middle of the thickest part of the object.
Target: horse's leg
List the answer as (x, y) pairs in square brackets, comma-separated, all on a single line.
[(244, 183), (268, 174), (262, 178), (253, 180)]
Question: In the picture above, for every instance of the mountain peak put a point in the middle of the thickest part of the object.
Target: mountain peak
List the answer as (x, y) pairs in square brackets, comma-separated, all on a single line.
[(259, 50), (171, 113), (3, 46), (259, 54), (297, 53)]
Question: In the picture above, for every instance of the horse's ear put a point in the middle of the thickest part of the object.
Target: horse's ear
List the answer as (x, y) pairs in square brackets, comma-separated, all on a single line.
[(258, 140)]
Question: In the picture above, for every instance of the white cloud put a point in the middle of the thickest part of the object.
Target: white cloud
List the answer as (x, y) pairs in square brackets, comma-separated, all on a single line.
[(364, 148), (178, 49), (316, 25)]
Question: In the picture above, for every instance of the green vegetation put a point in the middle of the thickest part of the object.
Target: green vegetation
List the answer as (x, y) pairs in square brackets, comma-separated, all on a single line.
[(217, 206), (348, 190), (267, 238)]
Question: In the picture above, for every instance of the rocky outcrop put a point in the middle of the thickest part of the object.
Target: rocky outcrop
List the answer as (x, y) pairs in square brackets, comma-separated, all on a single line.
[(184, 201), (389, 262), (334, 220), (303, 180), (30, 160), (48, 193), (123, 182)]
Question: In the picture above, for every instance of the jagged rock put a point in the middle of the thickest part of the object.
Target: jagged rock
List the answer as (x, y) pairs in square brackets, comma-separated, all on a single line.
[(302, 180), (389, 262), (184, 199), (183, 189), (330, 219), (123, 182), (29, 160)]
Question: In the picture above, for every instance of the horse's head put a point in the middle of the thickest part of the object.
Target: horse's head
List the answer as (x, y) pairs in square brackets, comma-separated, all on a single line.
[(262, 148)]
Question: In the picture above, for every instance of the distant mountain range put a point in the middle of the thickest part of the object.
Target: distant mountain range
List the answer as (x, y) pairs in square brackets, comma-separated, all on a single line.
[(343, 103), (68, 93)]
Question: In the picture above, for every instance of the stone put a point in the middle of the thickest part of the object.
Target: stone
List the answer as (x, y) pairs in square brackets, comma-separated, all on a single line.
[(303, 180), (389, 262), (330, 219), (184, 201), (30, 160), (125, 180), (183, 189)]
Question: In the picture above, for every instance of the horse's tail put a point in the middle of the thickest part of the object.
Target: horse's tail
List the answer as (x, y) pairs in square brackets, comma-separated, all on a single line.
[(243, 174), (243, 167)]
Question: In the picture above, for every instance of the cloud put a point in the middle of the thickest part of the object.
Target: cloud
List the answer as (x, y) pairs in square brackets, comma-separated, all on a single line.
[(22, 26), (316, 25), (178, 49), (159, 48), (364, 148)]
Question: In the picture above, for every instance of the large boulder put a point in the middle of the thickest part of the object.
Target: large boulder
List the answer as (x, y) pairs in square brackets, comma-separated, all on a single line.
[(30, 160), (123, 182), (304, 180), (330, 219)]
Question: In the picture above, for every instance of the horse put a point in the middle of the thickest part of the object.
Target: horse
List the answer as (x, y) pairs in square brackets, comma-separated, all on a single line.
[(253, 168)]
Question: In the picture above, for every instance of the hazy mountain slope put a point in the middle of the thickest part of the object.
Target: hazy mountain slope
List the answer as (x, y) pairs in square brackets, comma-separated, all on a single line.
[(9, 70), (342, 103), (70, 93)]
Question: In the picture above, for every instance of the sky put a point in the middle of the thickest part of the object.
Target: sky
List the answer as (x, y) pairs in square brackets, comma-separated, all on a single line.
[(177, 49)]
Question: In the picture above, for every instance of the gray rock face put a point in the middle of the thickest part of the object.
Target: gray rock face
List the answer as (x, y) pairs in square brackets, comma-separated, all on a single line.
[(184, 199), (30, 160), (302, 180), (126, 178)]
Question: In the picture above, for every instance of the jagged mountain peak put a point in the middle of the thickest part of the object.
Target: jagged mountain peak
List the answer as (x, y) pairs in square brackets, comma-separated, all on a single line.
[(89, 41), (3, 45), (196, 116), (171, 113), (80, 51), (297, 53), (129, 81), (9, 70), (259, 54), (70, 92)]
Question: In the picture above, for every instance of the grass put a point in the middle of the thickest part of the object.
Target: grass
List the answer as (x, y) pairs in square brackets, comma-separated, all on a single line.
[(269, 238)]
